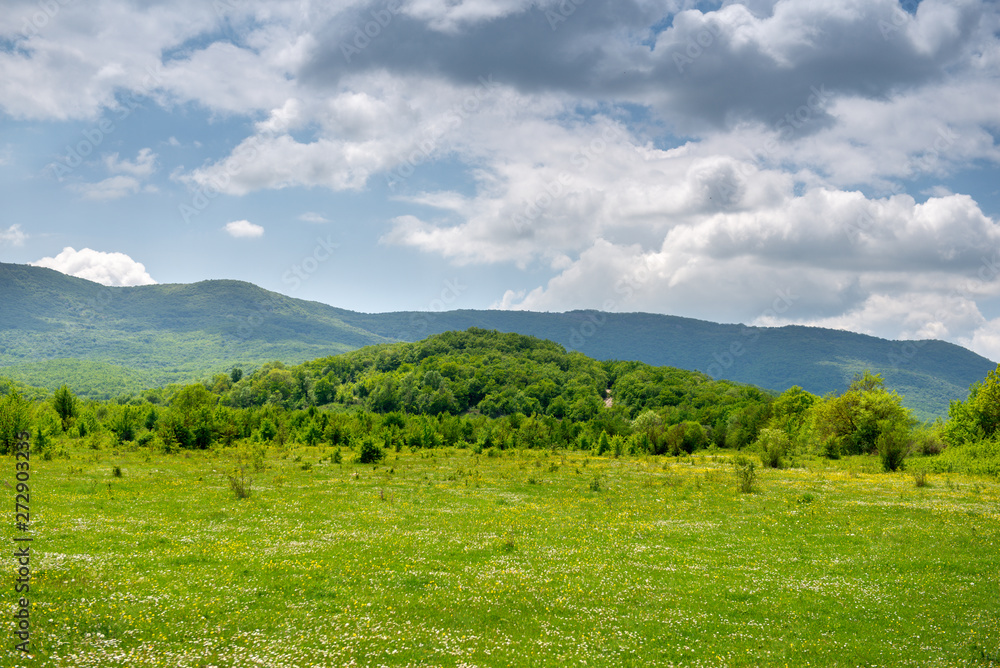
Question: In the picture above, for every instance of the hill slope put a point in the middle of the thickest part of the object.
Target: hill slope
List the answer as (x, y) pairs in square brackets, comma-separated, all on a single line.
[(929, 373), (106, 341)]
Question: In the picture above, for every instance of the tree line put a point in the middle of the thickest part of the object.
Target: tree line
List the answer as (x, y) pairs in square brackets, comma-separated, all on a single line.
[(484, 389)]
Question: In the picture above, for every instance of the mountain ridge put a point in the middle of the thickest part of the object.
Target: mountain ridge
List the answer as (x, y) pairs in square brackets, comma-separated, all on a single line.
[(54, 325)]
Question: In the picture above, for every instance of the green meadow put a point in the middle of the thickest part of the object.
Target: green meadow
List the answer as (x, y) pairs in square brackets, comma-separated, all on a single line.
[(445, 557)]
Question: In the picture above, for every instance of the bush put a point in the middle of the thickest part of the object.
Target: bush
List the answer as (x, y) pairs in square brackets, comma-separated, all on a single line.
[(773, 445), (241, 483), (927, 441), (371, 452), (746, 474), (893, 443), (15, 419)]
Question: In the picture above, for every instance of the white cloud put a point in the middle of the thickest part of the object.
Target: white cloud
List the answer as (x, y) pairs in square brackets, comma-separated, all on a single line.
[(128, 178), (12, 236), (97, 266), (985, 340), (243, 229), (114, 187), (313, 217), (143, 166)]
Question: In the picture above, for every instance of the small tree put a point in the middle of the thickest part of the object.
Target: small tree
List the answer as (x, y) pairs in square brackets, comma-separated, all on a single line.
[(15, 419), (746, 474), (603, 444), (371, 452), (66, 406)]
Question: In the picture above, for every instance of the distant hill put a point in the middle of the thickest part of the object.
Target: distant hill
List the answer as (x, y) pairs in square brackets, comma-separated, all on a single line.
[(107, 341)]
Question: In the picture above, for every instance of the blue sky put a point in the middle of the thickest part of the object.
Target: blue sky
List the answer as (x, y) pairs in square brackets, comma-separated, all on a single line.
[(711, 160)]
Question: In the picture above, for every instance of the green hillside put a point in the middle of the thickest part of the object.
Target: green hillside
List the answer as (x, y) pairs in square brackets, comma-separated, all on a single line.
[(55, 329), (108, 341), (929, 373)]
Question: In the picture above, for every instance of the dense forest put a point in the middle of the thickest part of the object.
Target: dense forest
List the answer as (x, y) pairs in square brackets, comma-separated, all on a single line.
[(490, 391)]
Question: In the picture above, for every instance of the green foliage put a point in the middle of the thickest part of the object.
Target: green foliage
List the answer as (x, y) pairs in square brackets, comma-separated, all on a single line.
[(745, 472), (370, 451), (65, 404), (851, 423), (189, 332), (603, 443), (893, 443), (240, 482), (984, 403), (774, 446), (15, 419), (124, 424), (685, 437)]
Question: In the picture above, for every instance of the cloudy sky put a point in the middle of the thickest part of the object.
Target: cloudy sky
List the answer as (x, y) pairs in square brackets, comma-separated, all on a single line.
[(821, 162)]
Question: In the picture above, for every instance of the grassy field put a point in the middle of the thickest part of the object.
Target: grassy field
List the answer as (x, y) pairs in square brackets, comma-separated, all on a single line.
[(447, 558)]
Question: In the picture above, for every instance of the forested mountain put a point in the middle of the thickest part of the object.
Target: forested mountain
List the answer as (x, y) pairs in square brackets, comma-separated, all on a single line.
[(105, 341)]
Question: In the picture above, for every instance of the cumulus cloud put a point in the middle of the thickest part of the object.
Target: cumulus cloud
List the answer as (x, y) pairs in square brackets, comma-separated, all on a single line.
[(243, 229), (13, 236), (116, 269), (313, 217)]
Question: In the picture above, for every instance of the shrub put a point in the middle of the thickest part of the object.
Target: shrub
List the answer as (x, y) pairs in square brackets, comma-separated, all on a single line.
[(773, 445), (927, 441), (603, 444), (746, 474), (370, 452), (920, 478), (337, 457), (241, 483), (893, 443), (595, 484)]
